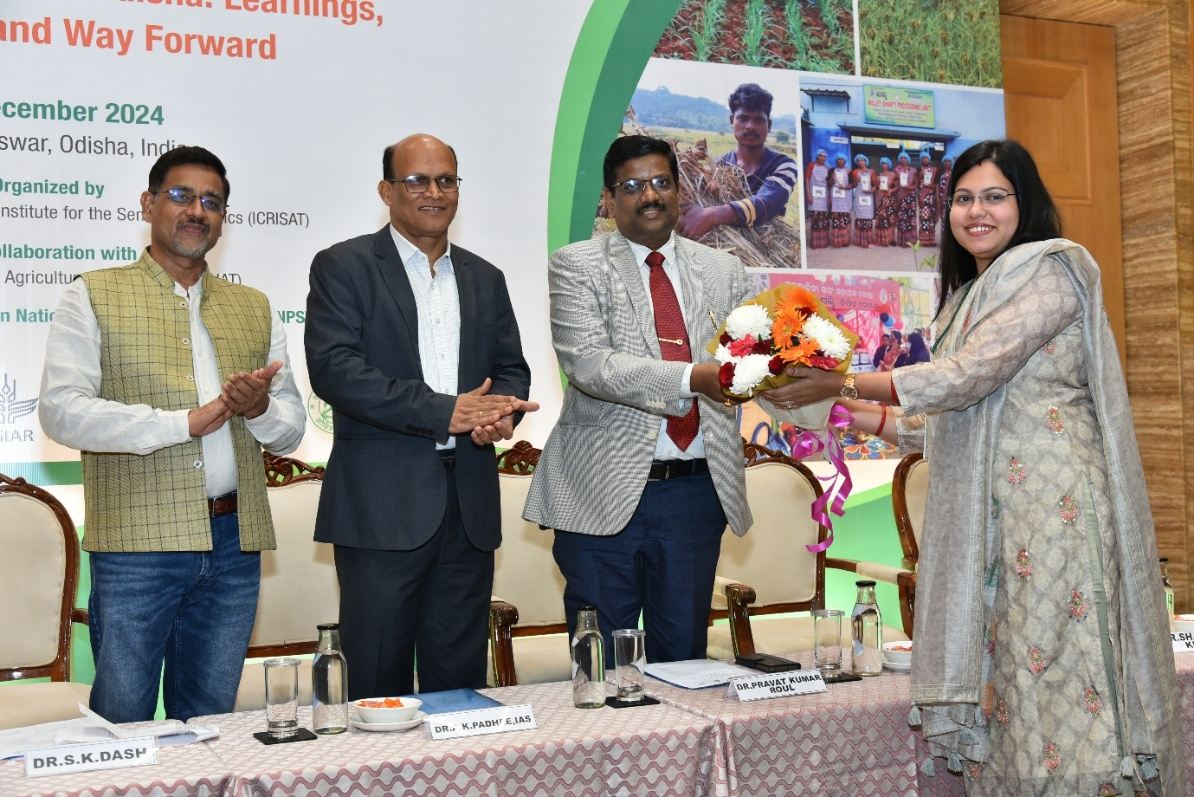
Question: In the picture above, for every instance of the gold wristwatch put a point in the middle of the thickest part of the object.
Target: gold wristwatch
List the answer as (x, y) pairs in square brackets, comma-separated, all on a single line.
[(848, 389)]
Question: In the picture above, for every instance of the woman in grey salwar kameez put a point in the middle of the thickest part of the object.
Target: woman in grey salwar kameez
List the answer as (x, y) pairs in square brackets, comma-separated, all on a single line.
[(1042, 663)]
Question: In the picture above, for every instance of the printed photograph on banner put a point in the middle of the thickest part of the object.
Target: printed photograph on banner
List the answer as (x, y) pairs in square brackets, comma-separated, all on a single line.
[(809, 35), (939, 41), (734, 129), (877, 164), (892, 316)]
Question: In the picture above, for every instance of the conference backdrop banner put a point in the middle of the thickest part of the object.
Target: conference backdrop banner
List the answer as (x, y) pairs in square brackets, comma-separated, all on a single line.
[(299, 97)]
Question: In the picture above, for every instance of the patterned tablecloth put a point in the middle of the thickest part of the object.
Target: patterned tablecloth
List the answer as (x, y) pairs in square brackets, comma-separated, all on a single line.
[(852, 740), (657, 750), (191, 769)]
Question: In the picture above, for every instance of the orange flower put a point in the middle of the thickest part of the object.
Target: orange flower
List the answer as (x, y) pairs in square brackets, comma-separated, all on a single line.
[(798, 353), (787, 324), (791, 297)]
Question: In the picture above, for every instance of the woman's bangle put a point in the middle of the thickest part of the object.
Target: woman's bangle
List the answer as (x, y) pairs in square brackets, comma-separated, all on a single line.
[(882, 420)]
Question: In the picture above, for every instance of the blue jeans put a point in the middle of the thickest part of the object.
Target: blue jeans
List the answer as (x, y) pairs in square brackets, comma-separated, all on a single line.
[(191, 609), (661, 564)]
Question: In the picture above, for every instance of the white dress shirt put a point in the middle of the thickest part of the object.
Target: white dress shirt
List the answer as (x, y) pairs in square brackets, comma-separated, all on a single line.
[(72, 413), (438, 305), (665, 447)]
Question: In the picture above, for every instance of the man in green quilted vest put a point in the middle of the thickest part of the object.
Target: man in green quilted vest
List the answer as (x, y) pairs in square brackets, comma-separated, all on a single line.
[(170, 381)]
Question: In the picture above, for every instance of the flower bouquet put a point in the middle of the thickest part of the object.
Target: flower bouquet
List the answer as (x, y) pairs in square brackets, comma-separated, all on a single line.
[(789, 325), (786, 325)]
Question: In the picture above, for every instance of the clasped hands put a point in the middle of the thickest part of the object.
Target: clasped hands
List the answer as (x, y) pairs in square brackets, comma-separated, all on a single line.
[(245, 393), (809, 386), (487, 418)]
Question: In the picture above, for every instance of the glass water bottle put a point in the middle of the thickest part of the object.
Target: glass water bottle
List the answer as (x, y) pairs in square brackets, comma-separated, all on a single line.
[(588, 661), (866, 630), (329, 683)]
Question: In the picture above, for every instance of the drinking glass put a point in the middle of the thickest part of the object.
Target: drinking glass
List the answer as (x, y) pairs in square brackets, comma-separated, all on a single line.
[(630, 661), (827, 640), (281, 697)]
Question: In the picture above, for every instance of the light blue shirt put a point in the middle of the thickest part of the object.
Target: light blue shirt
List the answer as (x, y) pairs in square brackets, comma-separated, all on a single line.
[(665, 448), (438, 305)]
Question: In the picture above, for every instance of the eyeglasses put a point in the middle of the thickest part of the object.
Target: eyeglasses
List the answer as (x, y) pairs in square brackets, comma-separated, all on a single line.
[(421, 183), (181, 195), (991, 199), (661, 183)]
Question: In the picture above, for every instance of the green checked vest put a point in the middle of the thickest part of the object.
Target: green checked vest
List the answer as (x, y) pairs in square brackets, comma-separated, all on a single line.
[(158, 502)]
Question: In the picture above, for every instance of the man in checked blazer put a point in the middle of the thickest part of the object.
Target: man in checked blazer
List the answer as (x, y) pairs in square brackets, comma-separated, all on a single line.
[(639, 491), (414, 344)]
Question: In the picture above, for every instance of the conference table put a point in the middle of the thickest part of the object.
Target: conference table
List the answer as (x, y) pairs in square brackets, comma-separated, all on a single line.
[(852, 740)]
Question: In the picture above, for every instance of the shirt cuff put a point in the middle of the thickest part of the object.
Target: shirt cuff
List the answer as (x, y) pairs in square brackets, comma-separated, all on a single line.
[(178, 422), (686, 383)]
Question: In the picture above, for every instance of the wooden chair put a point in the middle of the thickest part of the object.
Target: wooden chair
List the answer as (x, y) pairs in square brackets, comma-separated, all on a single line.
[(298, 580), (528, 633), (39, 578), (769, 571), (909, 490)]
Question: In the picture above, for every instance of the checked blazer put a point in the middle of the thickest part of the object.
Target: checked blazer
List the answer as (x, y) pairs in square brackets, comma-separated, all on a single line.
[(595, 463)]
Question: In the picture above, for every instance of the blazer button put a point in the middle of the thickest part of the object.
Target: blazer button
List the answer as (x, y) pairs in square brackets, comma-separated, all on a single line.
[(198, 463)]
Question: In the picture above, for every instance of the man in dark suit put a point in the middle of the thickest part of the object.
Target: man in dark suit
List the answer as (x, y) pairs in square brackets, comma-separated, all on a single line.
[(414, 344)]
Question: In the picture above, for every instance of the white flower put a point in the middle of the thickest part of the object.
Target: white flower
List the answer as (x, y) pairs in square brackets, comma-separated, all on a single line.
[(749, 319), (722, 355), (749, 372), (829, 338)]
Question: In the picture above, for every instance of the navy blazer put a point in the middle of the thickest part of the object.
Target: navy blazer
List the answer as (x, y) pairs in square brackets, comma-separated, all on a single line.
[(383, 488)]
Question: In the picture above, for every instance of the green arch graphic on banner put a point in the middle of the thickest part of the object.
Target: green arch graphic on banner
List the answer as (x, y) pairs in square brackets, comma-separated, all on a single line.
[(615, 41)]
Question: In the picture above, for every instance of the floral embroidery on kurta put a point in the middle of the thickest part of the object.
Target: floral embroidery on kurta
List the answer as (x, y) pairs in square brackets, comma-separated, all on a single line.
[(1078, 605), (1091, 701), (1036, 660), (1023, 563), (1068, 509), (1001, 715), (1052, 756), (1015, 471), (1049, 347), (1053, 418)]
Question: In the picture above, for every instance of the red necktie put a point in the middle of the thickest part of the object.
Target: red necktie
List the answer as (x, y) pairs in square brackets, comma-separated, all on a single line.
[(673, 343)]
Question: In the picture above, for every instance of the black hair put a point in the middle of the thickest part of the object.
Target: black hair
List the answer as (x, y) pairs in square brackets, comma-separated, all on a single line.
[(387, 160), (917, 348), (751, 97), (627, 148), (1039, 219), (186, 156)]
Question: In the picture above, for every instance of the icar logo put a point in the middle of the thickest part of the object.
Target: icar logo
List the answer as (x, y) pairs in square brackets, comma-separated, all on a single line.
[(12, 409)]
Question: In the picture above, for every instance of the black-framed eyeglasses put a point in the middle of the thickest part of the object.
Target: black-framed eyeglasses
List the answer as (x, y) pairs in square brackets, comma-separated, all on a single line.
[(991, 199), (661, 183), (181, 195), (421, 183)]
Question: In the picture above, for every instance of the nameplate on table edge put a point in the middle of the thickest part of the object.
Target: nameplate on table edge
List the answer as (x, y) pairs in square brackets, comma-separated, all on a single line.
[(477, 722), (1183, 641), (65, 758), (777, 684)]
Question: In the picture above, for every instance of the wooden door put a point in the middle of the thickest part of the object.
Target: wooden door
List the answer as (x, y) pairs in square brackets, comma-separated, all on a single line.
[(1059, 93)]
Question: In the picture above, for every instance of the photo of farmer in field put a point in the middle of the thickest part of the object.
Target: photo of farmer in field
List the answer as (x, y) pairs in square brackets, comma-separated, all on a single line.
[(734, 130), (808, 35)]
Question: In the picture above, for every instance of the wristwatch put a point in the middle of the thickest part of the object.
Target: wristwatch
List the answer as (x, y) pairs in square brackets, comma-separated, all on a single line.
[(848, 389)]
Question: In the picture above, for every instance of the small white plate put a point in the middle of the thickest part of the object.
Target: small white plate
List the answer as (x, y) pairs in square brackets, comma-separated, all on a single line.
[(896, 666), (384, 727)]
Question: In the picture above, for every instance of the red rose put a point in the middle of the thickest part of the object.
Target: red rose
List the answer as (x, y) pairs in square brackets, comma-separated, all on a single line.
[(725, 339), (762, 346), (776, 366), (725, 375)]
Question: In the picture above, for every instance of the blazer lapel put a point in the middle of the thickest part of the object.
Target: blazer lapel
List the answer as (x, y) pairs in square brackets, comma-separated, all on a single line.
[(393, 274), (627, 269), (466, 287)]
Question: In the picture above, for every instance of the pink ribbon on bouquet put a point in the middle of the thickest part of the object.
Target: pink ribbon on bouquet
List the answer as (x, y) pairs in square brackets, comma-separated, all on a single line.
[(808, 443)]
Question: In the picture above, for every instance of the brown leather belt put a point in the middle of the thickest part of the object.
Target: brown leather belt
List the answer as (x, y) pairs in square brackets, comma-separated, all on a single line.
[(671, 468), (223, 505)]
